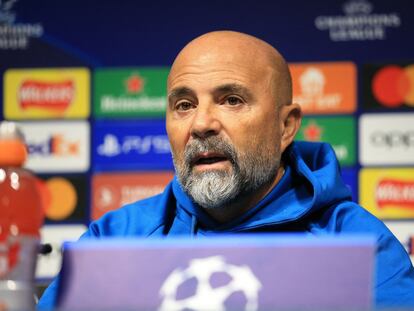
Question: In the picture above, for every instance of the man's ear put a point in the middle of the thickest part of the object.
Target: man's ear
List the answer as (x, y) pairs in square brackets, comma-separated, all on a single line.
[(290, 117)]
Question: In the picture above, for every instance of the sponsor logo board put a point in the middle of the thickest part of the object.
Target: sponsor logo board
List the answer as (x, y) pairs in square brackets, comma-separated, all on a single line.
[(14, 33), (387, 193), (65, 197), (48, 266), (338, 131), (358, 22), (386, 139), (57, 146), (46, 93), (131, 145), (130, 92), (111, 191), (388, 86), (324, 88)]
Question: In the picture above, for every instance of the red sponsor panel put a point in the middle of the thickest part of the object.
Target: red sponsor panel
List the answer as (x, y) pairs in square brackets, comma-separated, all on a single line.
[(48, 95), (113, 190), (395, 192)]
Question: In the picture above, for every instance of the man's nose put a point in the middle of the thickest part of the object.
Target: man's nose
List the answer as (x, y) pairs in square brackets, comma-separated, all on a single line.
[(205, 122)]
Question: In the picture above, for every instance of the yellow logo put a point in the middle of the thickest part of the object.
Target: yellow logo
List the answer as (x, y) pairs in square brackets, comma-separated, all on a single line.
[(388, 193), (47, 93)]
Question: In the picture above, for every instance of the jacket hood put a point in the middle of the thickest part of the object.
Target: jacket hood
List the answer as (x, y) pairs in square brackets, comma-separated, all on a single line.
[(311, 182)]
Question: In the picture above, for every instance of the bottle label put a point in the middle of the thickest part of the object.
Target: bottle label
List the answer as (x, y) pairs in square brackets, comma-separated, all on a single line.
[(18, 258)]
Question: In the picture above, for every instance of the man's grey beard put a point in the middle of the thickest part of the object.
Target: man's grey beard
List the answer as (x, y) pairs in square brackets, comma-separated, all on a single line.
[(220, 188)]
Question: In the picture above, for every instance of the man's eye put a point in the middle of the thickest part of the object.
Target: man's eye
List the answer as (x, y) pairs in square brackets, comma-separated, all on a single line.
[(233, 100), (183, 106)]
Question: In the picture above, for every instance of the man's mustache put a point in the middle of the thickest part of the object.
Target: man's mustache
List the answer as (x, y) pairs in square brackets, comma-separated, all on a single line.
[(212, 144)]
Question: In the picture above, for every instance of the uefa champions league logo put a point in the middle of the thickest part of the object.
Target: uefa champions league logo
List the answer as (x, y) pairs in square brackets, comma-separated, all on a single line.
[(206, 296)]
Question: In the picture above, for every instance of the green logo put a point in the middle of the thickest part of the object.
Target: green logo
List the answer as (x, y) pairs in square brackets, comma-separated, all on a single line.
[(130, 92), (338, 131)]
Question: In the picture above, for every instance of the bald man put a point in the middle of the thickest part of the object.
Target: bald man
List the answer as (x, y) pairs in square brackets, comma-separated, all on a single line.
[(231, 124)]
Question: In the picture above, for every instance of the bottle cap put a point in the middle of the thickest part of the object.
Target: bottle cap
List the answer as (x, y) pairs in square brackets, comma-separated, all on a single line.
[(13, 150)]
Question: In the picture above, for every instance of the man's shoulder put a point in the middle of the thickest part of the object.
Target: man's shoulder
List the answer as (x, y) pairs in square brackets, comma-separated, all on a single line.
[(353, 217), (347, 216)]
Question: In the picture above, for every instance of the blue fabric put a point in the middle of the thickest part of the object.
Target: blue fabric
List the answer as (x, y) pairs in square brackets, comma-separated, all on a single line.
[(311, 197)]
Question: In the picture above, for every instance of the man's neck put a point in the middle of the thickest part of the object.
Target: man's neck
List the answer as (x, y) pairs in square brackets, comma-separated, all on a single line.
[(244, 202)]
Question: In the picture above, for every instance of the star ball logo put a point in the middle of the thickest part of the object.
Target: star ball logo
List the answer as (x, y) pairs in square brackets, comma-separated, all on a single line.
[(207, 295), (389, 86)]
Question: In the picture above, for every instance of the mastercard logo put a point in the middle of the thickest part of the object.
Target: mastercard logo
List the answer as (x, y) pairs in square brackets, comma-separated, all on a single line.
[(59, 198), (393, 86)]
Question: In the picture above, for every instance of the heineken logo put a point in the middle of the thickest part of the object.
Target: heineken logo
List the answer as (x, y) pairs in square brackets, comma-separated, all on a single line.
[(130, 92), (134, 84), (337, 131), (312, 132)]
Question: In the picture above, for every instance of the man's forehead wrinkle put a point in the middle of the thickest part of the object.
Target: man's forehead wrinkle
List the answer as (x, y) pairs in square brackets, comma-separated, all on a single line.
[(223, 75), (180, 91), (232, 88)]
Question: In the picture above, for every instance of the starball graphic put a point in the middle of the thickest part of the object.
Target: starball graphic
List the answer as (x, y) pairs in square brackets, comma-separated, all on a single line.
[(206, 296)]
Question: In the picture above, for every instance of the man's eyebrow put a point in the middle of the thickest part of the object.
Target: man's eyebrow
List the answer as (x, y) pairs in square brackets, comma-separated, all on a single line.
[(180, 92), (233, 88)]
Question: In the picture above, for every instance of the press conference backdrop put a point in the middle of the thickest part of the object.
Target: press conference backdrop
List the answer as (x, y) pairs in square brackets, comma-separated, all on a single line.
[(86, 80)]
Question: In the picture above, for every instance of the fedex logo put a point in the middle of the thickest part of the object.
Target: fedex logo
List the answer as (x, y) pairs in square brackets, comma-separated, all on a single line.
[(56, 145)]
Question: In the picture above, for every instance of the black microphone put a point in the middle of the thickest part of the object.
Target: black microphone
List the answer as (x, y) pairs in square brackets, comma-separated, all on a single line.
[(45, 249)]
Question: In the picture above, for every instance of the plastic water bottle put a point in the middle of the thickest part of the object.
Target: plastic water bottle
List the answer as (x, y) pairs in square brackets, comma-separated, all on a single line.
[(21, 216)]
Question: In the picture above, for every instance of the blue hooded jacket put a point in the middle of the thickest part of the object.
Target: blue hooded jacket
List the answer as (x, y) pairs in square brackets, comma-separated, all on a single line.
[(311, 197)]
